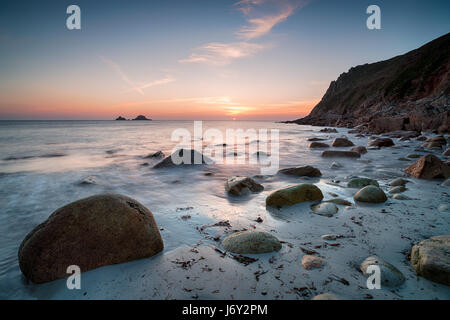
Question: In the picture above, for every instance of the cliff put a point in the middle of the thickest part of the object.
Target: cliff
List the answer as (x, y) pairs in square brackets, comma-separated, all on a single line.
[(407, 92)]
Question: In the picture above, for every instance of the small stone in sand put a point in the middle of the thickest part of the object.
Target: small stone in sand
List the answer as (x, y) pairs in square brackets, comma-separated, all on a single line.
[(326, 209), (251, 242), (309, 262), (398, 182), (329, 237), (326, 296), (399, 196)]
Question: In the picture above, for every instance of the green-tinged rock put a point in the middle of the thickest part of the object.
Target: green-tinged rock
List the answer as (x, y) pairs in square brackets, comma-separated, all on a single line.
[(370, 194), (362, 182), (431, 259), (294, 194), (251, 242), (390, 275)]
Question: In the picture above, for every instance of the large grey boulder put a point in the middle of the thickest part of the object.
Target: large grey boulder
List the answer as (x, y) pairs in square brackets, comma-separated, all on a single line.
[(251, 242)]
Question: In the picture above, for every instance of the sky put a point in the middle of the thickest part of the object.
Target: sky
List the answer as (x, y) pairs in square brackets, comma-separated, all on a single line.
[(199, 60)]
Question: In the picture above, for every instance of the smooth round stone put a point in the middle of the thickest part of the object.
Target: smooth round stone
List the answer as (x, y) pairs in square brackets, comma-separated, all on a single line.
[(398, 182), (398, 189), (361, 182), (251, 242), (326, 209), (370, 194), (390, 275), (329, 237), (310, 262)]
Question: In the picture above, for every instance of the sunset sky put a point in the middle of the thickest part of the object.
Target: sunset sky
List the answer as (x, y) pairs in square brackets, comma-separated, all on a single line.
[(249, 59)]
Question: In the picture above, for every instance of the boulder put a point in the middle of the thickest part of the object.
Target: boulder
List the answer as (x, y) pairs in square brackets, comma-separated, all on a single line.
[(431, 259), (183, 157), (429, 167), (313, 145), (340, 201), (251, 242), (390, 275), (294, 194), (306, 171), (315, 139), (370, 194), (238, 186), (413, 156), (309, 262), (431, 145), (361, 182), (382, 142), (342, 154), (342, 142), (326, 209), (359, 149), (90, 233)]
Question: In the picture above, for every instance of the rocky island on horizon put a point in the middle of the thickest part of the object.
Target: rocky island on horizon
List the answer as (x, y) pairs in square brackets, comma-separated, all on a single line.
[(139, 117), (407, 92)]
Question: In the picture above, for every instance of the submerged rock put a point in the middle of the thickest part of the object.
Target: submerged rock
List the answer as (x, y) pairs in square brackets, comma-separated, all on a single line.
[(397, 189), (157, 154), (329, 130), (413, 155), (359, 149), (431, 259), (306, 171), (294, 194), (361, 182), (318, 145), (399, 196), (446, 183), (183, 157), (329, 237), (90, 233), (325, 296), (429, 167), (390, 275), (398, 182), (251, 242), (340, 201), (370, 194), (342, 142), (336, 165), (242, 185), (315, 139), (344, 154), (309, 262), (90, 180), (382, 142), (326, 209)]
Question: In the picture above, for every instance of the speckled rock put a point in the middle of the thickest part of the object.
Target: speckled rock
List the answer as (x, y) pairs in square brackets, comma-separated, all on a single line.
[(251, 242), (429, 167), (310, 262), (390, 275)]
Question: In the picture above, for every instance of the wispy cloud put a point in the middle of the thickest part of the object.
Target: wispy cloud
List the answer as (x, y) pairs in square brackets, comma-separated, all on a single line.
[(262, 25), (135, 86), (217, 53)]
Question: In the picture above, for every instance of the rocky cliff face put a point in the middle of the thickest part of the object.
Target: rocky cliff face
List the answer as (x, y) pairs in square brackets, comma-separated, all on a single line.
[(407, 92)]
